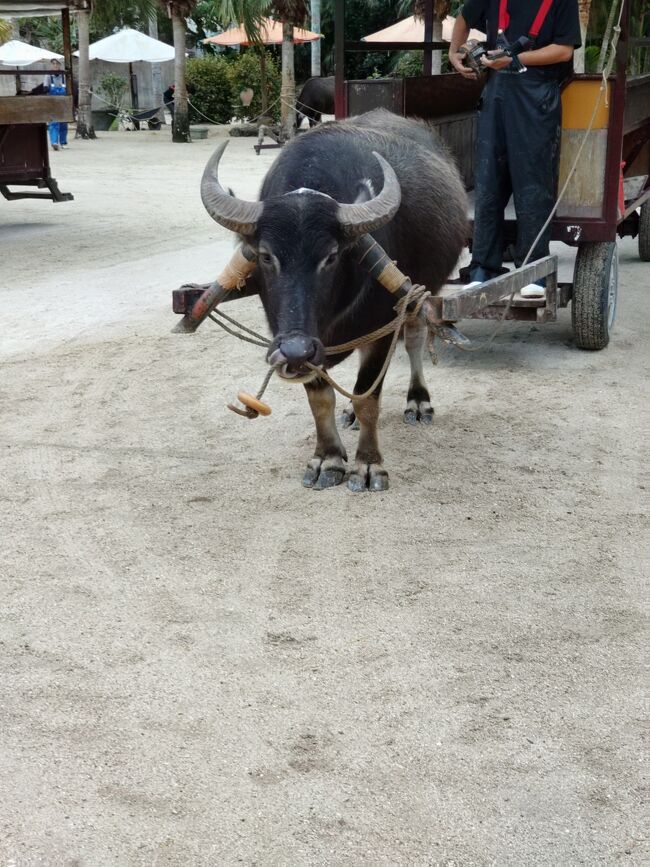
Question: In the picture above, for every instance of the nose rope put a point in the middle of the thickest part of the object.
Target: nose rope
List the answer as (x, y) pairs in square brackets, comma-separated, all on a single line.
[(416, 295)]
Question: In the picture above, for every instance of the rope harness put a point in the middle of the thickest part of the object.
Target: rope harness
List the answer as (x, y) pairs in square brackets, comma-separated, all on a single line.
[(414, 299)]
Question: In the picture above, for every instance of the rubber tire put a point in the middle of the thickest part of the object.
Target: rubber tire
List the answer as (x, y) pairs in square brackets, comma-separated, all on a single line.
[(644, 232), (593, 307)]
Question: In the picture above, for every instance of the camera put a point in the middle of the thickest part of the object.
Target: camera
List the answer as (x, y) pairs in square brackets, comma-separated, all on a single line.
[(473, 51)]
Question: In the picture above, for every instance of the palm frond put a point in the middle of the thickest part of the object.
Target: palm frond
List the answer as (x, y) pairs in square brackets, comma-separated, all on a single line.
[(5, 30), (294, 11), (112, 12), (248, 13)]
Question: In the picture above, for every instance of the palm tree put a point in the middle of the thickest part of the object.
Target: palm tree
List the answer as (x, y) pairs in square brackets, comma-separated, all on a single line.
[(179, 11), (440, 11), (105, 14), (584, 7), (292, 13), (6, 30), (85, 127)]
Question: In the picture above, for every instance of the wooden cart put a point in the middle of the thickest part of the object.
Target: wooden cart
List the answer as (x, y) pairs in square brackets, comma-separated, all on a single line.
[(24, 153), (608, 195)]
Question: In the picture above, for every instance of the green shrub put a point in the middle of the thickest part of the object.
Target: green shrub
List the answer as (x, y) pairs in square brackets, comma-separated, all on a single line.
[(245, 72), (408, 63), (209, 89), (113, 90), (411, 63), (592, 53)]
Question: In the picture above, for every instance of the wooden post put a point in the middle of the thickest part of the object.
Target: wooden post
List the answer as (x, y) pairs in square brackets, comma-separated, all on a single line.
[(340, 100), (67, 50)]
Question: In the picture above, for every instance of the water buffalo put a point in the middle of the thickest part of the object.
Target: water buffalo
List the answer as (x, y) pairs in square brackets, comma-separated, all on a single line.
[(315, 99), (376, 173)]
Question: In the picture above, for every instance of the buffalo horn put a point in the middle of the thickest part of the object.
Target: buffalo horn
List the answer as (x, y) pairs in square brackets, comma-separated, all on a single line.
[(235, 214), (362, 217)]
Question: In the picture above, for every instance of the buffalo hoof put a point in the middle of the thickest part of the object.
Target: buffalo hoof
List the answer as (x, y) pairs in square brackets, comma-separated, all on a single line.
[(368, 477), (321, 474), (418, 412)]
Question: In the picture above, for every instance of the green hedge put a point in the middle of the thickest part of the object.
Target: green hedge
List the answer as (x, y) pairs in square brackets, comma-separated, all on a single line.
[(245, 72), (209, 89), (215, 84)]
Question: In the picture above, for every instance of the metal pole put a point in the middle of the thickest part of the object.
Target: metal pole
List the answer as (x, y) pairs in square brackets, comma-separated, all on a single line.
[(134, 87)]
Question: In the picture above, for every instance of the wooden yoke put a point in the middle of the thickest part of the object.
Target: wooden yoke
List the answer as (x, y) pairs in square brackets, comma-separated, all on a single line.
[(380, 266), (197, 302)]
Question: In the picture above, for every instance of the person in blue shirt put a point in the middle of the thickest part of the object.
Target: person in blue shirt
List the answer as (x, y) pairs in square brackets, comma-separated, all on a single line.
[(519, 121), (55, 85)]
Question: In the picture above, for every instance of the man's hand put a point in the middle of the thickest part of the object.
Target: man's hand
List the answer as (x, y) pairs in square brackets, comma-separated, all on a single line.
[(456, 60), (495, 63), (459, 36)]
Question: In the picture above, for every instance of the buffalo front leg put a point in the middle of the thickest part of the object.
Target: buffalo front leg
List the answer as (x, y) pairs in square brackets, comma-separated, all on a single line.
[(327, 467), (368, 473), (418, 402)]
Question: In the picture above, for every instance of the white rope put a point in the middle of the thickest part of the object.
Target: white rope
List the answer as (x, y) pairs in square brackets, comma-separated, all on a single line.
[(252, 120)]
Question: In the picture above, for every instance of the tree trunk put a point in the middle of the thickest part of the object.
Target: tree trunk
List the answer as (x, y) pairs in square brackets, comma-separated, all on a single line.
[(315, 46), (288, 88), (579, 54), (84, 111), (181, 122), (436, 56), (156, 74)]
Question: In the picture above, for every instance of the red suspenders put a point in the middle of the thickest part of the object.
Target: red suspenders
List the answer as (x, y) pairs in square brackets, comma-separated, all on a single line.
[(538, 23)]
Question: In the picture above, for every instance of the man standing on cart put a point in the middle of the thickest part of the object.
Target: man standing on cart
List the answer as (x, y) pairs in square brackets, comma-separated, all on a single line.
[(530, 46)]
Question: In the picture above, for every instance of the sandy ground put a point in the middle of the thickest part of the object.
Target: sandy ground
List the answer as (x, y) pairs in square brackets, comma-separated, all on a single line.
[(204, 663)]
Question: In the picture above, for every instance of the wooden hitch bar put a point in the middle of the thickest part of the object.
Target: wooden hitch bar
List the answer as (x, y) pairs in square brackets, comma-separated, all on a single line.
[(440, 312), (197, 302)]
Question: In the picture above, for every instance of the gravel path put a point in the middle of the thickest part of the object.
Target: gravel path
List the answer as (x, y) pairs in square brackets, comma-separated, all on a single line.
[(204, 663)]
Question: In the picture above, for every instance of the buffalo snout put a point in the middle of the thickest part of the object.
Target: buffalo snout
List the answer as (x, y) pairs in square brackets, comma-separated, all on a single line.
[(291, 353)]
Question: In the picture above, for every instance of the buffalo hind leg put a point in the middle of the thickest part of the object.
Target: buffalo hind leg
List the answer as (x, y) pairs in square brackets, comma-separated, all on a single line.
[(327, 467), (418, 402), (368, 473)]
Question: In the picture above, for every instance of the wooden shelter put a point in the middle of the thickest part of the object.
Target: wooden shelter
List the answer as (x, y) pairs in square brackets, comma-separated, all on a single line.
[(24, 156)]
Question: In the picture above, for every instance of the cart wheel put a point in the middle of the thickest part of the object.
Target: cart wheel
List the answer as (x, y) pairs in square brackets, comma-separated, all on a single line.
[(595, 287), (644, 232)]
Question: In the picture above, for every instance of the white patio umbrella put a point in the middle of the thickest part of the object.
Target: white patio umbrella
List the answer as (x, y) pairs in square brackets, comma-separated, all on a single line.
[(17, 53), (130, 46)]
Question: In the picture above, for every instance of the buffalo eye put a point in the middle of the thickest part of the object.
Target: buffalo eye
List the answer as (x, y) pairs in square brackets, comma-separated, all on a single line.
[(265, 258), (331, 259)]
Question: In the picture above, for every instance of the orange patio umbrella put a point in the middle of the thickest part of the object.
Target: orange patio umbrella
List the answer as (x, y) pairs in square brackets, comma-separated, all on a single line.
[(270, 32)]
